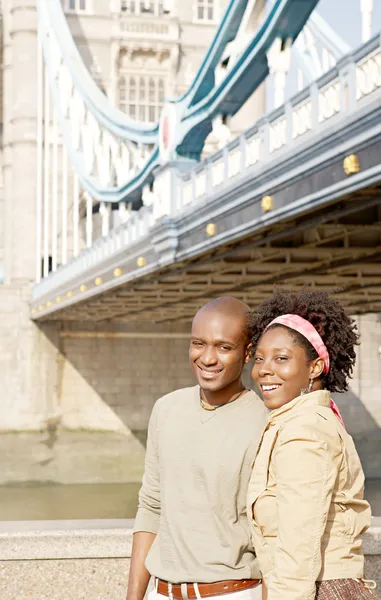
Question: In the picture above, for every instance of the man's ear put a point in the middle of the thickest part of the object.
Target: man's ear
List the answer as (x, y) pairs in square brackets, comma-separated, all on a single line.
[(248, 353), (317, 368)]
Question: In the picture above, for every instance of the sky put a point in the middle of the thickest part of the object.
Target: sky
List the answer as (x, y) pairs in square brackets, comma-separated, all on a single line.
[(344, 16)]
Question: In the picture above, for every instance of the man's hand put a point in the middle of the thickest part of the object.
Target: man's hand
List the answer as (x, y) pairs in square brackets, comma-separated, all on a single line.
[(139, 577)]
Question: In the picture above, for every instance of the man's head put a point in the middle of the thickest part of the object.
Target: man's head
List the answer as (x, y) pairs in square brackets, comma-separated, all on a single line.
[(219, 344)]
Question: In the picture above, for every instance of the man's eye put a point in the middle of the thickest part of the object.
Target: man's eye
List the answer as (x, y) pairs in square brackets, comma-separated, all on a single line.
[(196, 344), (225, 347), (257, 359), (281, 358)]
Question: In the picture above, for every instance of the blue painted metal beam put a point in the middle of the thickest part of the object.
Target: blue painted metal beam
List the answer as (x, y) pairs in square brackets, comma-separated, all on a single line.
[(197, 108)]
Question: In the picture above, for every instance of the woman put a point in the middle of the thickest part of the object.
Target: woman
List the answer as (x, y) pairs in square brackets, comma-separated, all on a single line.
[(305, 499)]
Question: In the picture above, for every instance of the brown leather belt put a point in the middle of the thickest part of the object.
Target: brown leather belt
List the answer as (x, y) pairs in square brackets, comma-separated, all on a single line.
[(218, 588)]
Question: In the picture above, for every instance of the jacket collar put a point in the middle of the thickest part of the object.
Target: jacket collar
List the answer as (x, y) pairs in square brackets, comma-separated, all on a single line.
[(285, 412)]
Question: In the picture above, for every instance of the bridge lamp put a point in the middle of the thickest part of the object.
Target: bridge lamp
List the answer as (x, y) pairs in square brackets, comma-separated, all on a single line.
[(83, 288), (211, 229), (69, 294), (142, 261), (98, 281), (267, 203), (117, 272), (351, 164)]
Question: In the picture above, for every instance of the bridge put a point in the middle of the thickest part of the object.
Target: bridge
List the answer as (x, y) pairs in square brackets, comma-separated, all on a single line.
[(261, 168), (293, 200)]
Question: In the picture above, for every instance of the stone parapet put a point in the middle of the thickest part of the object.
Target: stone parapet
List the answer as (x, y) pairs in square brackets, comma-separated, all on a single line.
[(58, 560)]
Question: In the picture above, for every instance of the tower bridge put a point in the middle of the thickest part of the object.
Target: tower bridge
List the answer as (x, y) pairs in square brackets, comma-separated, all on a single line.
[(156, 155)]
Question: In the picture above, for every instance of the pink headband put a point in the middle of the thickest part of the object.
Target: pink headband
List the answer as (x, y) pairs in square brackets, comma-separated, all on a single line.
[(306, 329)]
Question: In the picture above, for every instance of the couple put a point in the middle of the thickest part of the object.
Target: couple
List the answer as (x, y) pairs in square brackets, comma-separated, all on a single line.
[(235, 490)]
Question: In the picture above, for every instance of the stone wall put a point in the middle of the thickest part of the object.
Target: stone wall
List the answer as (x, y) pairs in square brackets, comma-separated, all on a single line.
[(91, 560)]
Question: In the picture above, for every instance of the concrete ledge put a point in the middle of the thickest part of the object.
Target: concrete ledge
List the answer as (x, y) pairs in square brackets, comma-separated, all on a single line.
[(103, 538), (57, 560), (47, 540)]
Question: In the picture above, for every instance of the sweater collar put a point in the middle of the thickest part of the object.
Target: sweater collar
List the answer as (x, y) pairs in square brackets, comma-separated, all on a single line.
[(285, 412)]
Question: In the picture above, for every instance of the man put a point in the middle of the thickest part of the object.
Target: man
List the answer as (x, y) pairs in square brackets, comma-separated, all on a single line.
[(191, 529)]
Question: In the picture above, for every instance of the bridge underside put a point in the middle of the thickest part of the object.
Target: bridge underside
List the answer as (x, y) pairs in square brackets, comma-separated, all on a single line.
[(337, 247)]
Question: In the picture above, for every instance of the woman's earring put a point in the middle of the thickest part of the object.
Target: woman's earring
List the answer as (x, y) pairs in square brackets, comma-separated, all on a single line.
[(307, 390)]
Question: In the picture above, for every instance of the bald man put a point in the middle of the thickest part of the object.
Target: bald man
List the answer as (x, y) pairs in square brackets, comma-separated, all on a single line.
[(191, 530)]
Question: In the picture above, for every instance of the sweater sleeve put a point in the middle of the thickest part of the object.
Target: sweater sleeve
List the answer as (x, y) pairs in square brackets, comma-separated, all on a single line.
[(306, 465), (148, 514)]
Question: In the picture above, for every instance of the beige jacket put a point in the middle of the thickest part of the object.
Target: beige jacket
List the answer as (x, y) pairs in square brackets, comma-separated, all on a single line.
[(305, 500)]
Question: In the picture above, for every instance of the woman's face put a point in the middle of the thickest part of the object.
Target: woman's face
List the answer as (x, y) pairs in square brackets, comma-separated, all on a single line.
[(281, 368)]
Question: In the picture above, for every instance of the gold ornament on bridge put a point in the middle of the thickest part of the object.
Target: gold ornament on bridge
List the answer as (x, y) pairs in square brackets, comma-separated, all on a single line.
[(83, 288), (69, 294), (58, 299), (211, 229), (48, 304), (98, 281), (117, 272), (34, 310), (142, 261), (351, 164), (267, 203), (41, 307)]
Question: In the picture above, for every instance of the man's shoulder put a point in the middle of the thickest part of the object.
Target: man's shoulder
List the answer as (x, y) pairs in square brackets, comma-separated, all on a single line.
[(180, 395), (255, 403)]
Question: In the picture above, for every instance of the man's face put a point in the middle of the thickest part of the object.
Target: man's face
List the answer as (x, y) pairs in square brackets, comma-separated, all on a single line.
[(218, 349)]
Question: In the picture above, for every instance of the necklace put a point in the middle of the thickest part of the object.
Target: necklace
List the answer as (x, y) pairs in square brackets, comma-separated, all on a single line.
[(207, 406)]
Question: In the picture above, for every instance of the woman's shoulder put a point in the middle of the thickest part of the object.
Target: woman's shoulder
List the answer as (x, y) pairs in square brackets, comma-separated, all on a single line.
[(313, 424)]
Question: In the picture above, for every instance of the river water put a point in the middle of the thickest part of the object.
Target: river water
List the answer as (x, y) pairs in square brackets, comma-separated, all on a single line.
[(28, 502)]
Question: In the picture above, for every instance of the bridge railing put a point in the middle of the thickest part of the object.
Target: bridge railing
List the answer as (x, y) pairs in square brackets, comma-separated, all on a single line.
[(332, 97), (335, 94)]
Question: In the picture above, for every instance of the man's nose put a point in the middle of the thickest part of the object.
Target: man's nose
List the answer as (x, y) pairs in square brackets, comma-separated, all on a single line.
[(209, 356)]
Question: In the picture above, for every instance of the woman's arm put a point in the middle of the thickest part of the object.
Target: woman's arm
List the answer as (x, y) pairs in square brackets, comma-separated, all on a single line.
[(306, 461)]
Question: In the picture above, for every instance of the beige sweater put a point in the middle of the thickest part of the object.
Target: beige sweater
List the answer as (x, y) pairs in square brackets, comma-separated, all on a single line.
[(193, 496)]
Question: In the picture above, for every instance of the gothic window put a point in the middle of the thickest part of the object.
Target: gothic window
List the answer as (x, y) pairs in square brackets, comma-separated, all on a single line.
[(76, 5), (205, 10), (143, 7), (141, 96)]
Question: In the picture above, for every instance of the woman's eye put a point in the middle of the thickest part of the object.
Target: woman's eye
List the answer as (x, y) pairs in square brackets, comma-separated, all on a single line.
[(257, 359), (281, 358)]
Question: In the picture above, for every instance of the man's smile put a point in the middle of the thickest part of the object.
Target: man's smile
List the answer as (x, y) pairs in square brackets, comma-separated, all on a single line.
[(209, 373)]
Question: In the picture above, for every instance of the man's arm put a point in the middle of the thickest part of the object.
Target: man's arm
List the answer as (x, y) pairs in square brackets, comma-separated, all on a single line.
[(147, 518), (139, 576)]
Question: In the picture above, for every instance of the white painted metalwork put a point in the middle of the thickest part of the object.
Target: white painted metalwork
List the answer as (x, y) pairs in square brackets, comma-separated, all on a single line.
[(111, 160), (55, 195), (366, 7), (329, 101), (75, 215), (200, 182), (108, 159), (64, 207), (46, 177), (39, 144), (368, 75), (301, 119), (278, 134), (279, 60), (89, 219), (253, 148), (104, 211)]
